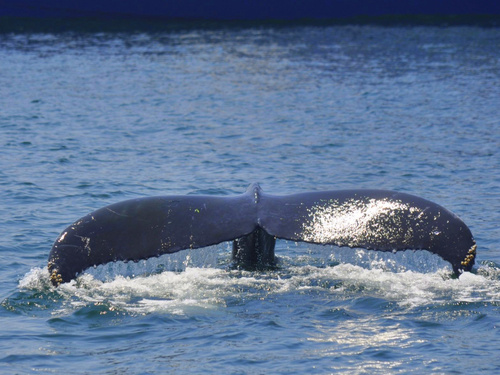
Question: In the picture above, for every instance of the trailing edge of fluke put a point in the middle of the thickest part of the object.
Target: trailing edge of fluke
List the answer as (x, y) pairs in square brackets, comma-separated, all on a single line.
[(148, 227)]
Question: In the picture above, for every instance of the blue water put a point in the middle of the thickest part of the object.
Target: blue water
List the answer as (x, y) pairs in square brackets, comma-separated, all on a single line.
[(89, 119)]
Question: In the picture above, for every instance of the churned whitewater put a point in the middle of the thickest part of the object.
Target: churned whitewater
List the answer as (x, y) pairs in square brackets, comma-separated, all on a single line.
[(89, 119)]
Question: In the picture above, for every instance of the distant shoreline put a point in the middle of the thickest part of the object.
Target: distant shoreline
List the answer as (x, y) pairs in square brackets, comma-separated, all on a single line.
[(251, 10), (141, 24)]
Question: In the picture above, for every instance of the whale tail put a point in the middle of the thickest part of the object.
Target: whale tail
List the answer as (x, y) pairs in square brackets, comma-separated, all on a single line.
[(148, 227)]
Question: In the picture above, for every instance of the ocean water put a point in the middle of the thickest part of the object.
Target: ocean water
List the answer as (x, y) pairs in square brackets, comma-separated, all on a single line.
[(89, 119)]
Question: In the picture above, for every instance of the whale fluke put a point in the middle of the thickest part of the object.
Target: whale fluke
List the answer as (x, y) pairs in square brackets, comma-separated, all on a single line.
[(148, 227)]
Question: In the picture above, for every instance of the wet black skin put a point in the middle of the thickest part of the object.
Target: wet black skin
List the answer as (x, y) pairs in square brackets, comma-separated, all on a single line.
[(148, 227)]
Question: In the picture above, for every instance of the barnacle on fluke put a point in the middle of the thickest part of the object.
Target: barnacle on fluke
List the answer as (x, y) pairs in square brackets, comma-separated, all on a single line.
[(469, 259), (373, 219)]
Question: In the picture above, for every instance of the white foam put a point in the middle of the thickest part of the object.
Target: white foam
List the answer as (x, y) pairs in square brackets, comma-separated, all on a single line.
[(212, 288), (35, 279), (199, 279), (412, 289)]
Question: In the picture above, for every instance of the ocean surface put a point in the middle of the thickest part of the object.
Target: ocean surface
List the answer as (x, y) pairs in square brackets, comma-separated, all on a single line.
[(88, 119)]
